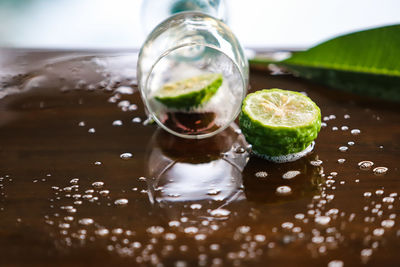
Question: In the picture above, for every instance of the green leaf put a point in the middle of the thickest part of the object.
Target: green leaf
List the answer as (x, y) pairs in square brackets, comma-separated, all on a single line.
[(365, 62)]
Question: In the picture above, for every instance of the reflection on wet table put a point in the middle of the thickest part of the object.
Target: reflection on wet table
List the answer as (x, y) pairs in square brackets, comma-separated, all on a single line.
[(86, 179)]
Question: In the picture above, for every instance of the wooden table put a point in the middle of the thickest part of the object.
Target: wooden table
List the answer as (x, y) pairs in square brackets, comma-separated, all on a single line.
[(225, 214)]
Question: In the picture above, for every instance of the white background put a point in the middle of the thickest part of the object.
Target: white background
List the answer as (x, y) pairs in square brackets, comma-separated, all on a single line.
[(116, 23)]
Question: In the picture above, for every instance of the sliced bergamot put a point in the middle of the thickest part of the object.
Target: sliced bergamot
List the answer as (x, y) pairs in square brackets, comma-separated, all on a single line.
[(191, 92), (279, 122)]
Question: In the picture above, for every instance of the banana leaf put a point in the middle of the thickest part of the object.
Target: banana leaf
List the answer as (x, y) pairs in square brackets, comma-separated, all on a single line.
[(365, 62)]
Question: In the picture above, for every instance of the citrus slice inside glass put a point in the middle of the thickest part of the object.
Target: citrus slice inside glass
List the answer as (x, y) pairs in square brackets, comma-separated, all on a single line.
[(191, 92), (279, 122)]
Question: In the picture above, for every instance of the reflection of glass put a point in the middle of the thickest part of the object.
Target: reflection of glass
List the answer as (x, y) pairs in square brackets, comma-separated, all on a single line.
[(155, 11), (272, 183), (184, 172), (189, 45)]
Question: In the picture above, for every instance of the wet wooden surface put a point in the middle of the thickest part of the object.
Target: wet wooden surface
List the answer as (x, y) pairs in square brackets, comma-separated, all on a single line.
[(235, 217)]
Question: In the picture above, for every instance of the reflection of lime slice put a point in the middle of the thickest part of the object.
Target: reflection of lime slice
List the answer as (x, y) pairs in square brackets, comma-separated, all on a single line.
[(279, 122), (189, 93)]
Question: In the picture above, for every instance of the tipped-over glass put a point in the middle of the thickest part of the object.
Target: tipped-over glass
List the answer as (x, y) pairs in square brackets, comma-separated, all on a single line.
[(193, 75)]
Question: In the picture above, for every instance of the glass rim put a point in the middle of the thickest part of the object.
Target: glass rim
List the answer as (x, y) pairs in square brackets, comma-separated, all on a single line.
[(184, 14), (151, 112)]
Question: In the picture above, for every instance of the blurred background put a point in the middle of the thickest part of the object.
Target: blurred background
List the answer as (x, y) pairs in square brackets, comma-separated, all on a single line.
[(117, 24)]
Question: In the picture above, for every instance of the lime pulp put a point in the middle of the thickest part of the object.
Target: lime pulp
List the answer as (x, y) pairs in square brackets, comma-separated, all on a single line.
[(189, 93), (279, 122)]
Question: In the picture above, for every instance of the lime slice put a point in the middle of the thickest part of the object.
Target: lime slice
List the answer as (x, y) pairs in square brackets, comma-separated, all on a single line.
[(279, 122), (191, 92)]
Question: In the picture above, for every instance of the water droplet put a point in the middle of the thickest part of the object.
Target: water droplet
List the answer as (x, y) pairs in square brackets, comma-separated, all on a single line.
[(76, 196), (350, 143), (64, 225), (290, 174), (174, 223), (117, 231), (341, 161), (191, 230), (170, 236), (388, 200), (92, 130), (332, 212), (132, 107), (74, 181), (200, 237), (316, 163), (380, 170), (126, 155), (136, 245), (117, 123), (220, 213), (66, 207), (299, 216), (155, 230), (104, 192), (82, 124), (97, 163), (367, 194), (124, 90), (136, 120), (283, 190), (67, 189), (114, 99), (332, 117), (124, 103), (261, 174), (346, 116), (87, 196), (195, 206), (287, 225), (334, 128), (180, 264), (322, 220), (367, 252), (343, 149), (318, 239), (102, 232), (336, 263), (355, 132), (215, 247), (378, 232), (379, 192), (98, 184), (259, 238), (86, 221), (244, 229), (387, 223), (68, 218), (344, 128), (365, 165), (121, 202)]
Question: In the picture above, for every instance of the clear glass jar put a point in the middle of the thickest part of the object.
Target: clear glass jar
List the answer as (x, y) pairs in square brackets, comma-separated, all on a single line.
[(181, 49)]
